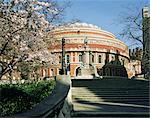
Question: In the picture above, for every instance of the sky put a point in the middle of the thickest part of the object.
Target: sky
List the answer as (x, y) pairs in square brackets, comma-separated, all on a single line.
[(103, 13)]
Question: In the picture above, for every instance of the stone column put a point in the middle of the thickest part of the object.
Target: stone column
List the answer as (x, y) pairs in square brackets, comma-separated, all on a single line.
[(90, 58), (71, 57), (86, 58), (76, 57), (48, 72), (43, 71)]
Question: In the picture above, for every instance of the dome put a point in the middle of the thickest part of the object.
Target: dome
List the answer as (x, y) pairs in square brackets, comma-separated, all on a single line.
[(98, 39)]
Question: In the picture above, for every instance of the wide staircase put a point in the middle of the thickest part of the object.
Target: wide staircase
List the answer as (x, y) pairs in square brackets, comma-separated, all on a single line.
[(111, 98)]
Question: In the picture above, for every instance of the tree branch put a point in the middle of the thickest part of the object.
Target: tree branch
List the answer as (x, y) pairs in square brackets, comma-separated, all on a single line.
[(136, 38)]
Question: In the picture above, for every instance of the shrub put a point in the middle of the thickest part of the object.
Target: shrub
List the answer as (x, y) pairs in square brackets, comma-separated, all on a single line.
[(19, 97)]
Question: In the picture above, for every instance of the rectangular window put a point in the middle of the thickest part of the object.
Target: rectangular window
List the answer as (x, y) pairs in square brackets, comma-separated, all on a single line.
[(52, 72), (80, 57), (100, 59)]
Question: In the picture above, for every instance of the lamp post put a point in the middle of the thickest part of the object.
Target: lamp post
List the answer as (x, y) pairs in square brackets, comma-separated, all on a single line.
[(63, 66)]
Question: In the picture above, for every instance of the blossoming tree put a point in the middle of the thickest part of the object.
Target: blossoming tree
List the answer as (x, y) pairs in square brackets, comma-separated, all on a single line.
[(23, 32)]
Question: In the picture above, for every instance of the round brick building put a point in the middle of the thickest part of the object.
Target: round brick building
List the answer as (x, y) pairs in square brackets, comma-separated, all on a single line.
[(103, 47)]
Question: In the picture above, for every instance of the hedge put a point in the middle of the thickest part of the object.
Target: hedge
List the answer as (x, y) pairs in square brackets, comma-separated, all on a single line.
[(16, 98)]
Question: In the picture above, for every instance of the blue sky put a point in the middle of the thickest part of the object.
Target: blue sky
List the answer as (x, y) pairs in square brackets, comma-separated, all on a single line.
[(103, 13)]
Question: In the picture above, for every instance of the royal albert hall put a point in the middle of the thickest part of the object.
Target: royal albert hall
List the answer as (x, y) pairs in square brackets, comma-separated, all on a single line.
[(102, 46)]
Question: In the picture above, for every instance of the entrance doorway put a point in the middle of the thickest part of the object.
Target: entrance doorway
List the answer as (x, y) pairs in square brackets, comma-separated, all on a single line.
[(78, 71)]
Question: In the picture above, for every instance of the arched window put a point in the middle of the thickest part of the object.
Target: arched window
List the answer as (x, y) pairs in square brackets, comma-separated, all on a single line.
[(100, 59), (92, 58), (80, 57)]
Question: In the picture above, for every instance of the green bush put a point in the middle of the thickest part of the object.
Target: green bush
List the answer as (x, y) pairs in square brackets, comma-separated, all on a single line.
[(19, 97)]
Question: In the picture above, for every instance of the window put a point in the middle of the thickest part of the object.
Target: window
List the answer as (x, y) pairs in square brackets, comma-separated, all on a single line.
[(100, 59), (59, 59), (80, 57), (113, 58), (92, 58), (60, 71), (68, 59), (122, 61), (117, 51)]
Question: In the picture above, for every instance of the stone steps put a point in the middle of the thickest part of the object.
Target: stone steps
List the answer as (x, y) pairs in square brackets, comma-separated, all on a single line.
[(144, 94), (110, 115), (110, 83), (91, 98), (113, 89), (110, 93), (110, 98), (109, 89), (113, 94), (121, 99)]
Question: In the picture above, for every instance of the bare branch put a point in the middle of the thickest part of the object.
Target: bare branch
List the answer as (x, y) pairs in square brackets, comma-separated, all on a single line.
[(136, 38)]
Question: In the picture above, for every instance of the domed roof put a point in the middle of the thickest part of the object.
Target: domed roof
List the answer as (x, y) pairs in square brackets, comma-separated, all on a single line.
[(75, 33), (84, 27)]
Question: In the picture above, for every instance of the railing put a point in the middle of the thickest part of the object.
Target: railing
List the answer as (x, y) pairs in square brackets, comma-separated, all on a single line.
[(57, 105)]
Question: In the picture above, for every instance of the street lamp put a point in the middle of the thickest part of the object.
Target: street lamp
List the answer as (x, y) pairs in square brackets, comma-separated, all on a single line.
[(85, 55)]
